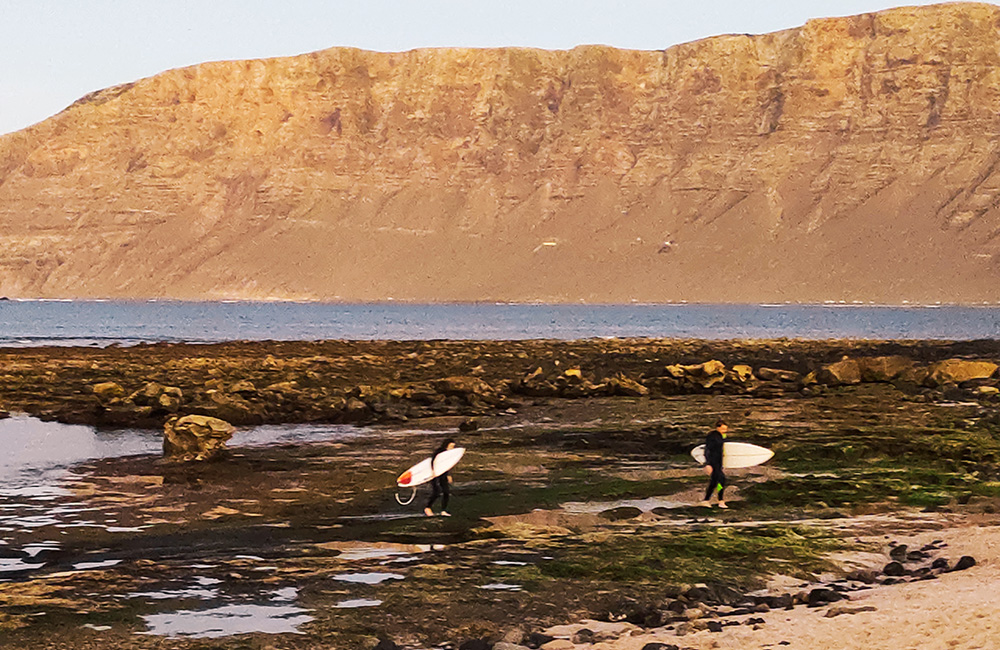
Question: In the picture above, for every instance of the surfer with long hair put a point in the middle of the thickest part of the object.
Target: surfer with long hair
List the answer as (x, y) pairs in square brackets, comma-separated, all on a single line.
[(714, 442), (440, 484)]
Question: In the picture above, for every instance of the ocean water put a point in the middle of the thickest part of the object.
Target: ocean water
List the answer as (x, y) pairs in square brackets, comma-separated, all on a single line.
[(102, 323)]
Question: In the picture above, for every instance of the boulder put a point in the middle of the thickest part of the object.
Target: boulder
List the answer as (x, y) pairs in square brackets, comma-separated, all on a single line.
[(243, 388), (894, 569), (573, 384), (823, 595), (841, 373), (675, 371), (195, 437), (355, 411), (742, 373), (536, 639), (283, 388), (708, 369), (955, 371), (158, 397), (883, 369), (148, 395), (107, 391), (775, 374), (230, 407), (660, 646), (625, 387), (964, 562), (706, 374), (170, 399), (463, 386)]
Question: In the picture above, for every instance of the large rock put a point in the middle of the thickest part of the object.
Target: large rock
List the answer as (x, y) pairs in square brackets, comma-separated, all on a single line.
[(463, 387), (231, 408), (955, 371), (159, 397), (537, 384), (625, 387), (195, 437), (776, 374), (107, 392), (883, 369), (844, 372)]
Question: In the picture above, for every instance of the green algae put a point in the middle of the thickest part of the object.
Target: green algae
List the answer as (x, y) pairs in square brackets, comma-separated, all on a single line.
[(739, 556)]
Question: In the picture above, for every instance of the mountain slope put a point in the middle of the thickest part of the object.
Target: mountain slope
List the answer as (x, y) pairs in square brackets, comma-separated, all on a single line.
[(850, 159)]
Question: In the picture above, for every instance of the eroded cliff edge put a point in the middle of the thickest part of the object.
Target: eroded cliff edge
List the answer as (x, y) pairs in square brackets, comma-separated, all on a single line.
[(850, 159)]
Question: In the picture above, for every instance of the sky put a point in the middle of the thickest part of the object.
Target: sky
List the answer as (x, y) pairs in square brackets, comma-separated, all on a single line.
[(52, 52)]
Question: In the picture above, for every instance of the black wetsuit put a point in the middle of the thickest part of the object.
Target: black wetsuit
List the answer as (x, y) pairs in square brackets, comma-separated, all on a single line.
[(713, 458), (439, 484)]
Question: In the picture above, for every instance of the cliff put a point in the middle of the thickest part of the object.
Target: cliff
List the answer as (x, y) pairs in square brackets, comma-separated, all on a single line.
[(849, 159)]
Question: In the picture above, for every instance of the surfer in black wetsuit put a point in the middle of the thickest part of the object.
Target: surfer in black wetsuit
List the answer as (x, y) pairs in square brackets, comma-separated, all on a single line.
[(440, 484), (713, 463)]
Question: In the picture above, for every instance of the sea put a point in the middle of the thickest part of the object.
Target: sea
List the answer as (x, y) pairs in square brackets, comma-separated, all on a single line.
[(96, 323)]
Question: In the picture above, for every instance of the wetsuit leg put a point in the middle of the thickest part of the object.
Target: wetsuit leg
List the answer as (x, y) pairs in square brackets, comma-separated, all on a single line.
[(445, 492), (435, 492), (722, 484), (717, 479)]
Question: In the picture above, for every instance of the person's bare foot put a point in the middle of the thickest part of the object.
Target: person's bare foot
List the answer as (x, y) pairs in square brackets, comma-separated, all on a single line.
[(705, 504), (428, 512), (445, 513), (722, 504)]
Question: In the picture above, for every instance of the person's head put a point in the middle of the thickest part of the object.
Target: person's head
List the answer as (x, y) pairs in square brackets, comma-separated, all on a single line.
[(446, 444), (721, 426)]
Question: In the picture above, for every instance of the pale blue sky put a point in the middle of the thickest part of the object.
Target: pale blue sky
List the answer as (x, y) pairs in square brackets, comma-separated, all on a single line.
[(53, 52)]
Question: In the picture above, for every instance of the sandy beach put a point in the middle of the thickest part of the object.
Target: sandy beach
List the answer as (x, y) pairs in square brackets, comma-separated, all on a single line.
[(957, 611)]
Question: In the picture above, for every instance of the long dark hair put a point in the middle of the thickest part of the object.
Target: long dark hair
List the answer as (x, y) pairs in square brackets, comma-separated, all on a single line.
[(443, 446)]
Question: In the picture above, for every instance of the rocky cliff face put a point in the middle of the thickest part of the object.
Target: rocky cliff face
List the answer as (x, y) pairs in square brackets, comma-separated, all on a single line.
[(850, 159)]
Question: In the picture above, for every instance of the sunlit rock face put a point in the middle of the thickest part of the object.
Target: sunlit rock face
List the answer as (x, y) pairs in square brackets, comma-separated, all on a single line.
[(850, 159)]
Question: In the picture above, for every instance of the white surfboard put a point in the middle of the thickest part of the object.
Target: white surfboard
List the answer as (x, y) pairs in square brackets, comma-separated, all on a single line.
[(423, 472), (736, 455)]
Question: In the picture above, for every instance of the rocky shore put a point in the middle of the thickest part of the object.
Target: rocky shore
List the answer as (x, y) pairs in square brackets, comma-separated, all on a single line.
[(574, 524), (397, 381)]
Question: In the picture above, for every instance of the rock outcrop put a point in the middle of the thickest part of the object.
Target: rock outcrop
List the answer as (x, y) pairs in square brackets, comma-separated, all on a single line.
[(849, 159), (195, 437)]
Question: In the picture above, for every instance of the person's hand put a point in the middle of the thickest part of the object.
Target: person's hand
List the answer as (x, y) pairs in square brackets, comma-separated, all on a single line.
[(708, 470), (450, 480)]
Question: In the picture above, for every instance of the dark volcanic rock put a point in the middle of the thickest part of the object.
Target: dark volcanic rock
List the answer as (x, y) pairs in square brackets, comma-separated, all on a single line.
[(822, 596), (536, 640), (894, 569)]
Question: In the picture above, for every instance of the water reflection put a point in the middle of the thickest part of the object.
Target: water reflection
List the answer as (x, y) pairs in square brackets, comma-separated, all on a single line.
[(37, 453), (371, 578), (227, 621)]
